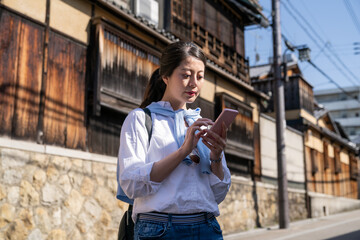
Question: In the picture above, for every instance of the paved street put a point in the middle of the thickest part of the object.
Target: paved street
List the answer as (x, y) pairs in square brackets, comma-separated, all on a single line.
[(344, 226)]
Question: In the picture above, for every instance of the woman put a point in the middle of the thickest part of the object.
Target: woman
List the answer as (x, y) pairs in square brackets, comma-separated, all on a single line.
[(178, 177)]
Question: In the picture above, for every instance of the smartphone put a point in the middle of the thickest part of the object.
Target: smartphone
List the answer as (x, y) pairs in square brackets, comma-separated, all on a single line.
[(228, 116)]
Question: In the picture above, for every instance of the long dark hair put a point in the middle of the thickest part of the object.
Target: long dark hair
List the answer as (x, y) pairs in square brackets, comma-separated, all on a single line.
[(170, 59)]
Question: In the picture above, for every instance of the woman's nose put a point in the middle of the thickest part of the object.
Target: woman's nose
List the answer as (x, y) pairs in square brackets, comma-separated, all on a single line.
[(193, 81)]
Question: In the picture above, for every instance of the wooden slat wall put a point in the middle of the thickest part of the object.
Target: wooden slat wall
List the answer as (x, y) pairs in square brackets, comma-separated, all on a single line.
[(241, 132), (257, 152), (65, 94), (181, 19), (126, 63), (126, 67), (306, 96), (240, 42), (207, 108), (9, 40), (104, 132), (292, 100), (21, 52), (76, 129), (220, 37), (329, 180)]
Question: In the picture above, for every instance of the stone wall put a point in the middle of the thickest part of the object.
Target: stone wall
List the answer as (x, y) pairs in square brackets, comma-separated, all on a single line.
[(250, 205), (55, 197), (54, 193)]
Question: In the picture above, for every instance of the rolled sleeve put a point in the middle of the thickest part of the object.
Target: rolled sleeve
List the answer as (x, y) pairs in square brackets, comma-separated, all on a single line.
[(136, 181), (221, 187), (133, 166)]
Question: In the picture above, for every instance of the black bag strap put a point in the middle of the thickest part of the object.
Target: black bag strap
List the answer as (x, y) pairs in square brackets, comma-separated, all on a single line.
[(148, 121), (126, 227)]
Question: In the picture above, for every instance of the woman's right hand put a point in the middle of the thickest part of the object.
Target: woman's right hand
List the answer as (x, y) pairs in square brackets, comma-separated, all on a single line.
[(163, 168), (192, 137)]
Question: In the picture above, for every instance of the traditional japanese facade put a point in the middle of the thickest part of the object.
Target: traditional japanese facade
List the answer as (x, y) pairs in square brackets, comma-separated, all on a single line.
[(70, 71), (330, 158)]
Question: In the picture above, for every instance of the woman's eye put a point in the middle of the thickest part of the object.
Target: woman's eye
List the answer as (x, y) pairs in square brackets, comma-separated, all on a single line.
[(200, 77), (186, 75)]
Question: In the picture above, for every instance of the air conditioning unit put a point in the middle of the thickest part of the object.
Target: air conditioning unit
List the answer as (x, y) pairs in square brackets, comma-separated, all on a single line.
[(148, 9)]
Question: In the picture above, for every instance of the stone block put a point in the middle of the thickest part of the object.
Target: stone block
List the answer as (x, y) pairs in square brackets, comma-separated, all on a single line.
[(11, 158), (13, 194), (7, 214), (87, 168), (68, 220), (57, 234), (111, 233), (105, 198), (52, 173), (77, 163), (100, 180), (16, 230), (2, 192), (42, 219), (26, 216), (40, 160), (75, 178), (28, 172), (35, 235), (93, 208), (50, 194), (110, 168), (87, 186), (85, 223), (74, 202), (12, 176), (63, 164), (56, 216), (81, 226), (98, 168), (28, 195), (39, 178), (112, 184), (105, 218), (64, 183), (76, 235)]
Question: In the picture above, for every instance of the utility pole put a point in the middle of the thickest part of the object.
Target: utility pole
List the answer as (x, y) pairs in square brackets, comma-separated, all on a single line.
[(280, 118)]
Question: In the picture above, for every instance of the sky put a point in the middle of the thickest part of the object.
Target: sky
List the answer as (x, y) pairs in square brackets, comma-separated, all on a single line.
[(330, 28)]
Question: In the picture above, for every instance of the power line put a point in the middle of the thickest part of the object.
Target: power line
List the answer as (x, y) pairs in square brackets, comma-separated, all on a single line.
[(352, 14), (314, 20), (331, 80), (328, 47), (316, 42)]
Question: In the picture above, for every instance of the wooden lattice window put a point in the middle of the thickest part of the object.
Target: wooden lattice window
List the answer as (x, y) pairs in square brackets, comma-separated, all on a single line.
[(123, 66), (241, 132), (220, 53), (314, 162), (326, 155), (354, 172), (337, 161)]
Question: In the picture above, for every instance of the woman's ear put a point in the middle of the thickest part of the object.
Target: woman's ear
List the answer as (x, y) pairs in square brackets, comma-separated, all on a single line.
[(165, 79)]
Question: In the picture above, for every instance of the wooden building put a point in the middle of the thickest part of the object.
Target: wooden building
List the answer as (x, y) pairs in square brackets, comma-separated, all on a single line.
[(70, 71), (330, 158)]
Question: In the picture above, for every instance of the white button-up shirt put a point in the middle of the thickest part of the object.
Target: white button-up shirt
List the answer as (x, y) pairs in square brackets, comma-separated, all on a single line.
[(185, 190)]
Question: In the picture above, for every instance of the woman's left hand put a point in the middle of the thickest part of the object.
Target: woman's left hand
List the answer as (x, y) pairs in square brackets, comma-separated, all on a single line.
[(215, 142)]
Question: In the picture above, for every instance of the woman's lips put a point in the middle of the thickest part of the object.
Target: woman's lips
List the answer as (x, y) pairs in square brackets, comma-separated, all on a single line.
[(191, 93)]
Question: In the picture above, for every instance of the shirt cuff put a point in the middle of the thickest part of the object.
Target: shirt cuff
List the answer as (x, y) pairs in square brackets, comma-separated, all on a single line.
[(214, 180)]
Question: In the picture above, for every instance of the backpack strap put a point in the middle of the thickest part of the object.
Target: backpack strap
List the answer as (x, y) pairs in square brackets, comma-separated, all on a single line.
[(148, 122)]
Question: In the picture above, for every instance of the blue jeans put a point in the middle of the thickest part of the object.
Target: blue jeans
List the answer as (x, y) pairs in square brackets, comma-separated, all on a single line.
[(205, 230)]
